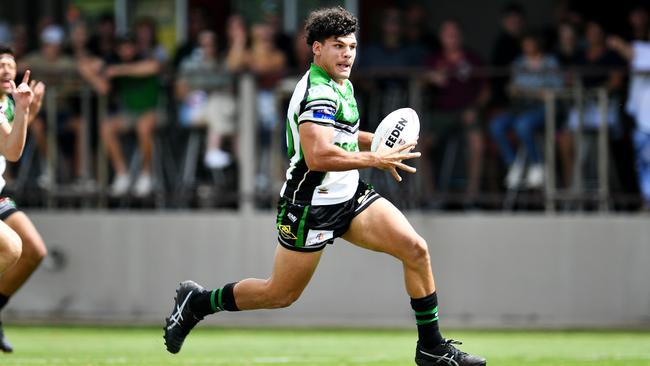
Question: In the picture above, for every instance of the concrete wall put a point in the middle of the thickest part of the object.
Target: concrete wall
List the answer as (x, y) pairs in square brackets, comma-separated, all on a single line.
[(492, 271)]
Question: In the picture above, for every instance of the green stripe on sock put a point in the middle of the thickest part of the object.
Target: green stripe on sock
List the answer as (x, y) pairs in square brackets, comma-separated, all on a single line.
[(428, 312), (300, 242), (212, 304), (422, 322)]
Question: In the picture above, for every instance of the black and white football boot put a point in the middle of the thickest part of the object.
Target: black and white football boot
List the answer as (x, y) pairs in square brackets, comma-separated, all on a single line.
[(182, 319), (445, 354)]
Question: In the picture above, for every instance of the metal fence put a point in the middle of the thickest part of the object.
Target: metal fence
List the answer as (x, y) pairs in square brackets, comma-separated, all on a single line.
[(182, 182)]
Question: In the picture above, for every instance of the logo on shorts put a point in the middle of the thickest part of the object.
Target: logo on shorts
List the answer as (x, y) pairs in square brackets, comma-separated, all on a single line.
[(292, 217), (318, 236), (285, 232), (323, 190)]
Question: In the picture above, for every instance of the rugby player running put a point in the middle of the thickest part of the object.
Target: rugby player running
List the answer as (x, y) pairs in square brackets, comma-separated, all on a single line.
[(323, 199), (21, 246)]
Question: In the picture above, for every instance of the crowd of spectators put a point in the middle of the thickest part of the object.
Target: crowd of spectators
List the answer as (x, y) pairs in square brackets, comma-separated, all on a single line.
[(493, 105)]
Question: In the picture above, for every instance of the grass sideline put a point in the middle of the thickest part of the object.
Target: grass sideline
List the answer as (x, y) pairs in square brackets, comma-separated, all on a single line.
[(92, 346)]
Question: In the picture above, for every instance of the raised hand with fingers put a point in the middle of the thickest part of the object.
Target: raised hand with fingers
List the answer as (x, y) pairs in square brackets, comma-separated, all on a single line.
[(391, 158), (22, 94)]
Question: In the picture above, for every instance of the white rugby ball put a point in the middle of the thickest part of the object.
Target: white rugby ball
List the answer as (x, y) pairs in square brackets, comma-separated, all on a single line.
[(396, 129)]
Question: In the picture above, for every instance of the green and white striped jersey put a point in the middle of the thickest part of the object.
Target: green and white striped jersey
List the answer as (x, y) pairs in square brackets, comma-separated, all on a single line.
[(7, 112), (319, 99)]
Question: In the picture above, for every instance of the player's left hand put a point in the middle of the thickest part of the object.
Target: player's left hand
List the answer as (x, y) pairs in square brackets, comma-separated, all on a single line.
[(22, 94)]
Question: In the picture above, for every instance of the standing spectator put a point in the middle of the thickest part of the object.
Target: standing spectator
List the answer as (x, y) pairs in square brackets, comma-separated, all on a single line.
[(133, 81), (102, 43), (146, 36), (459, 97), (205, 87), (638, 106), (532, 73), (269, 64), (390, 53), (506, 49), (638, 23), (600, 67), (568, 53), (302, 52), (567, 49), (55, 69), (196, 24), (418, 33)]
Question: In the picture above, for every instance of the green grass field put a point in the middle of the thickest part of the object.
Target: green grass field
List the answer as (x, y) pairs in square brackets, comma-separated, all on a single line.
[(213, 346)]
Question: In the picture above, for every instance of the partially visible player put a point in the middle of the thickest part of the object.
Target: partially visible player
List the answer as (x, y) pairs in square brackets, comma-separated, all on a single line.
[(323, 199), (21, 246)]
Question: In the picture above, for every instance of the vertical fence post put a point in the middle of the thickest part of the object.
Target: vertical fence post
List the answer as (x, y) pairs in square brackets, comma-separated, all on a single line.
[(603, 151), (578, 186), (102, 162), (52, 148), (549, 105), (247, 149)]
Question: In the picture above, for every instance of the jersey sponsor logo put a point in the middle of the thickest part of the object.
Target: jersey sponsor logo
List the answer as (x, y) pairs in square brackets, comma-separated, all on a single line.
[(395, 133), (285, 232), (348, 146), (318, 236), (323, 114), (292, 217)]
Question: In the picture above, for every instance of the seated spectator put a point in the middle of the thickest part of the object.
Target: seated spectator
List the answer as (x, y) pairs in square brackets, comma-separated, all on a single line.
[(459, 97), (532, 73), (205, 87), (638, 106), (134, 84)]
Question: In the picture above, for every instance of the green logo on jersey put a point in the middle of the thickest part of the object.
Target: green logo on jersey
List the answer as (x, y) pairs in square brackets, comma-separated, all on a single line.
[(348, 146)]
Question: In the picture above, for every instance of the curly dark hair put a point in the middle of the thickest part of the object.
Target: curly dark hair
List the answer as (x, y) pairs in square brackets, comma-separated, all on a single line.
[(324, 23)]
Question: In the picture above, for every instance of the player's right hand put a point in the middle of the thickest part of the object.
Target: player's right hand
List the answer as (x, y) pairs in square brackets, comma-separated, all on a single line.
[(391, 158)]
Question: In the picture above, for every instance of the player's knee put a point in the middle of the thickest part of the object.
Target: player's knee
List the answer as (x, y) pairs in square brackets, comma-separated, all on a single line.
[(34, 249), (418, 251)]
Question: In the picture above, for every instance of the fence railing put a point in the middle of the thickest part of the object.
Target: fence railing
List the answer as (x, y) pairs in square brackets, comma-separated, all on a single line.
[(409, 89)]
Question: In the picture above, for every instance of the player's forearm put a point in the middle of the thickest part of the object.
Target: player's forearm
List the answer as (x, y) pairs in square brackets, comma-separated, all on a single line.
[(336, 159), (365, 140), (15, 141)]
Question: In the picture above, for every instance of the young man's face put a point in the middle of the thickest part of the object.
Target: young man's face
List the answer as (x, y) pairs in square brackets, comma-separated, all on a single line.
[(7, 72), (336, 55)]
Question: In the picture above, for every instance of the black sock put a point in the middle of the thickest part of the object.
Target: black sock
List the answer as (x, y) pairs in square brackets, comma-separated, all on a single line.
[(4, 299), (210, 302), (426, 317)]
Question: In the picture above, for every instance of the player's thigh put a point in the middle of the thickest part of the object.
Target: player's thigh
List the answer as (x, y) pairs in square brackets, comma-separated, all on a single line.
[(382, 227), (292, 270), (33, 244)]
